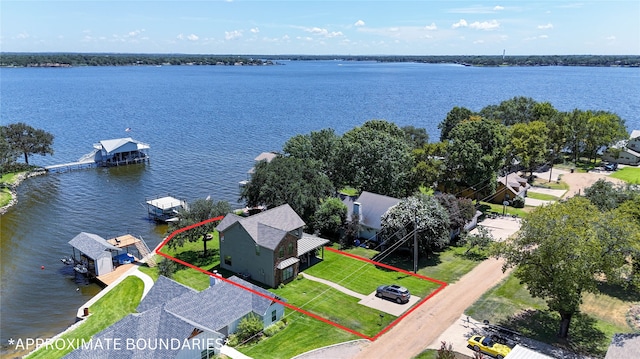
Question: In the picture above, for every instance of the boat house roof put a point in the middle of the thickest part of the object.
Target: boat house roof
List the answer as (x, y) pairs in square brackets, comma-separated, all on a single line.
[(121, 145), (165, 202), (92, 245)]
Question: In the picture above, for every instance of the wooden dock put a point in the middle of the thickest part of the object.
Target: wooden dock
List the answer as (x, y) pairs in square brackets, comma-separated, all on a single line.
[(66, 167), (109, 278), (128, 240)]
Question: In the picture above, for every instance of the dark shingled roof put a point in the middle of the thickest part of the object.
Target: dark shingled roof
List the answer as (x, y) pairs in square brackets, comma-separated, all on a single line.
[(91, 244), (163, 290), (373, 206), (151, 325), (220, 305), (266, 228)]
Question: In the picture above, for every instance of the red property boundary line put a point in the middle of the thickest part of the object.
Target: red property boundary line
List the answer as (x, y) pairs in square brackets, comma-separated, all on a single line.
[(297, 309)]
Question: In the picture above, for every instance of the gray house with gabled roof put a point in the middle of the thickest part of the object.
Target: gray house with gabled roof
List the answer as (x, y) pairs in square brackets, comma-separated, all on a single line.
[(163, 291), (222, 306), (369, 208), (266, 247)]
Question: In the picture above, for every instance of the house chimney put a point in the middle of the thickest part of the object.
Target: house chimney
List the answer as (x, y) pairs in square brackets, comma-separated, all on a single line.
[(357, 210)]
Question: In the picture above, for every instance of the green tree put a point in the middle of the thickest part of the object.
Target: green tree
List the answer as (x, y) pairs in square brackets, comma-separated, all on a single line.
[(481, 240), (561, 251), (529, 143), (321, 146), (516, 110), (454, 117), (426, 215), (576, 131), (376, 157), (476, 152), (416, 137), (603, 129), (27, 140), (429, 163), (298, 182), (330, 217), (7, 154), (458, 216), (198, 211)]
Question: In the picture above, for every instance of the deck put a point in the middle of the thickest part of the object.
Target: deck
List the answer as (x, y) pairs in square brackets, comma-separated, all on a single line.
[(124, 241), (109, 278)]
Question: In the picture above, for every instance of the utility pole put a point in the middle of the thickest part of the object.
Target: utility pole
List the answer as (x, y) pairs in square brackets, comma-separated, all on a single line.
[(415, 245)]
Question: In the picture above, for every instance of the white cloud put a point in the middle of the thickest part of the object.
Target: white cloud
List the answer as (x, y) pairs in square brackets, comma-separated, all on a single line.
[(255, 30), (498, 8), (479, 42), (324, 32), (431, 27), (610, 38), (544, 36), (545, 27), (485, 25), (192, 37), (22, 36), (359, 23), (231, 35), (461, 23)]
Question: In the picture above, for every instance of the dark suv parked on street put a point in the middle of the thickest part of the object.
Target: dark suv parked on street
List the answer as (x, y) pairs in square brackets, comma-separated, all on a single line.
[(393, 292)]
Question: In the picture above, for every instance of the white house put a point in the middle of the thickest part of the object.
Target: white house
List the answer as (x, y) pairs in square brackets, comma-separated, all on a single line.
[(369, 207), (625, 152)]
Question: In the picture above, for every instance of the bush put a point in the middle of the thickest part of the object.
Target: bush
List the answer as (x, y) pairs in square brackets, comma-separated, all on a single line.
[(248, 327), (271, 330), (518, 202), (232, 340)]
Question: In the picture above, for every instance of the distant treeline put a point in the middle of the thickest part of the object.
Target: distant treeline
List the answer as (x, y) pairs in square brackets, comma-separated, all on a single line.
[(78, 59), (75, 59)]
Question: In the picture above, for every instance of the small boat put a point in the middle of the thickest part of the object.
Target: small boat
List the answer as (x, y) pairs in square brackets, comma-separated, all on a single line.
[(81, 269), (66, 260)]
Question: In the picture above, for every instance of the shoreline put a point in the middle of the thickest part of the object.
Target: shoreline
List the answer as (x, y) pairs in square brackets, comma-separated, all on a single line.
[(13, 187)]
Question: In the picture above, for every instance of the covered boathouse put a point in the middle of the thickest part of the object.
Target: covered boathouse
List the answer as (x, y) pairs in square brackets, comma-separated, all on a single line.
[(120, 151)]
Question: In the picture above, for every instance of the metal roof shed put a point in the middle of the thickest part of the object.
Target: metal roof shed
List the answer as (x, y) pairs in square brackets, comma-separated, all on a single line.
[(96, 249)]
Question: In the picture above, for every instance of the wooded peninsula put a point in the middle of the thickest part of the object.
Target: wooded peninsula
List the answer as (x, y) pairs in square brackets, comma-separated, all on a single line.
[(115, 59)]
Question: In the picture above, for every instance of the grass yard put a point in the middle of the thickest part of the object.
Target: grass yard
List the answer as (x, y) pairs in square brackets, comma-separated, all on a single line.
[(115, 305), (510, 304), (301, 334), (544, 183), (486, 207), (628, 174), (331, 304), (364, 277), (5, 196), (542, 196)]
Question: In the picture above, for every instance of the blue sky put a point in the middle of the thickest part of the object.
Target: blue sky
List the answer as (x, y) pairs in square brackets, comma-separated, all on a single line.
[(322, 27)]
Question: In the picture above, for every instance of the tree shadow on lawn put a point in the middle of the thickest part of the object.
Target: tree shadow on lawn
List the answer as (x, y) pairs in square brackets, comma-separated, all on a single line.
[(197, 259), (403, 259), (543, 325), (627, 294)]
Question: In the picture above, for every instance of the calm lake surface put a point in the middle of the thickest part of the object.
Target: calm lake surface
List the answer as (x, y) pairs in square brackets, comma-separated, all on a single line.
[(205, 125)]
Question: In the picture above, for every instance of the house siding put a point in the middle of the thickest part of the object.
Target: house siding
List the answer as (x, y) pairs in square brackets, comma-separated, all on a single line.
[(266, 319), (238, 244), (289, 239)]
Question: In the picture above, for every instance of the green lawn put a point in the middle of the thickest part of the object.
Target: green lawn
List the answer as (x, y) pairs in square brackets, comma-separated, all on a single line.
[(331, 304), (487, 207), (544, 183), (301, 334), (542, 196), (5, 196), (628, 174), (9, 178), (115, 305), (510, 304), (349, 191), (364, 278)]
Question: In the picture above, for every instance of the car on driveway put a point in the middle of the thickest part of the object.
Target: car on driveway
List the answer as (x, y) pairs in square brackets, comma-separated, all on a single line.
[(393, 292), (611, 166), (488, 346)]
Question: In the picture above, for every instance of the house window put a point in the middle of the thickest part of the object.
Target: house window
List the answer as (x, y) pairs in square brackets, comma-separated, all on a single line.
[(290, 248), (281, 252), (227, 260), (257, 250), (287, 273), (273, 316)]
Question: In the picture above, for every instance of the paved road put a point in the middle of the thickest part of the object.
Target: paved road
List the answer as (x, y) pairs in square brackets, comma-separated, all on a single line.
[(424, 325)]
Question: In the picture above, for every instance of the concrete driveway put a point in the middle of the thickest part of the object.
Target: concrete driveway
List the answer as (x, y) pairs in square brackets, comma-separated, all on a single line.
[(388, 306), (500, 228)]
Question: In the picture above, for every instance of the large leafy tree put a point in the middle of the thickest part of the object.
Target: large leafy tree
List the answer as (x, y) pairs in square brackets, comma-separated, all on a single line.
[(321, 146), (454, 117), (330, 217), (575, 126), (563, 249), (415, 136), (476, 152), (298, 182), (429, 163), (423, 213), (603, 129), (516, 110), (529, 143), (460, 210), (27, 140), (377, 158), (199, 211)]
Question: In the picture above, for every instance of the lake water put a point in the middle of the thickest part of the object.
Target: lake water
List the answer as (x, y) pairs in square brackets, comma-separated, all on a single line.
[(205, 125)]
